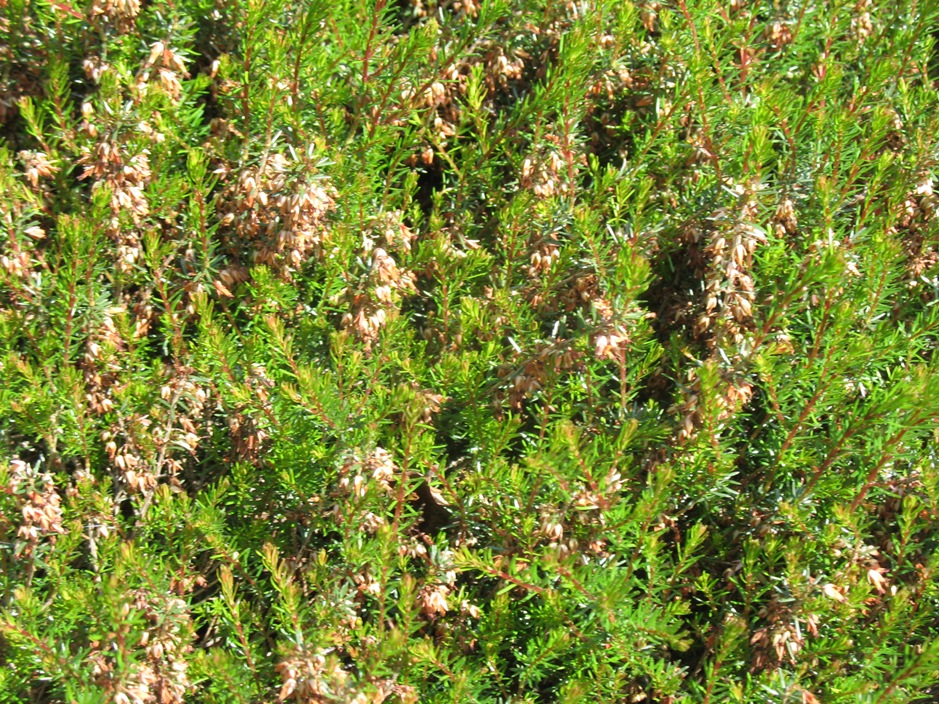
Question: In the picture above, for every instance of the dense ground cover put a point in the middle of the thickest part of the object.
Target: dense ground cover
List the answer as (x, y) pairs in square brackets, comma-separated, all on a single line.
[(464, 351)]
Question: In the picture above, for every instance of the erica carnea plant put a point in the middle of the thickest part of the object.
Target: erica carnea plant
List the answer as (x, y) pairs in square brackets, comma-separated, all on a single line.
[(469, 351)]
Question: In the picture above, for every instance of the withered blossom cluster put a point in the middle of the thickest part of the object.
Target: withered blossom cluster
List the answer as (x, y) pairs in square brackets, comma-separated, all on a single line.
[(356, 474), (917, 216), (275, 212), (376, 297), (125, 177), (722, 318), (168, 67), (546, 178), (159, 675), (17, 256), (39, 505), (146, 448), (526, 378), (784, 636), (120, 13), (728, 285), (248, 429), (313, 677), (862, 24), (440, 97), (611, 340), (733, 395), (580, 536), (37, 166), (317, 677)]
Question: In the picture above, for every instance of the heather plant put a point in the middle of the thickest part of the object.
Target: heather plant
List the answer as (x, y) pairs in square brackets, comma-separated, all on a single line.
[(469, 351)]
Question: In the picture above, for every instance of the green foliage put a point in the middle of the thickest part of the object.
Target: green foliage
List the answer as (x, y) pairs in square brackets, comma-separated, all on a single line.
[(475, 351)]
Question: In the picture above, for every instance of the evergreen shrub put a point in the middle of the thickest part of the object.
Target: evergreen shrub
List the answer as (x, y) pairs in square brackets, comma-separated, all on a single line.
[(469, 351)]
